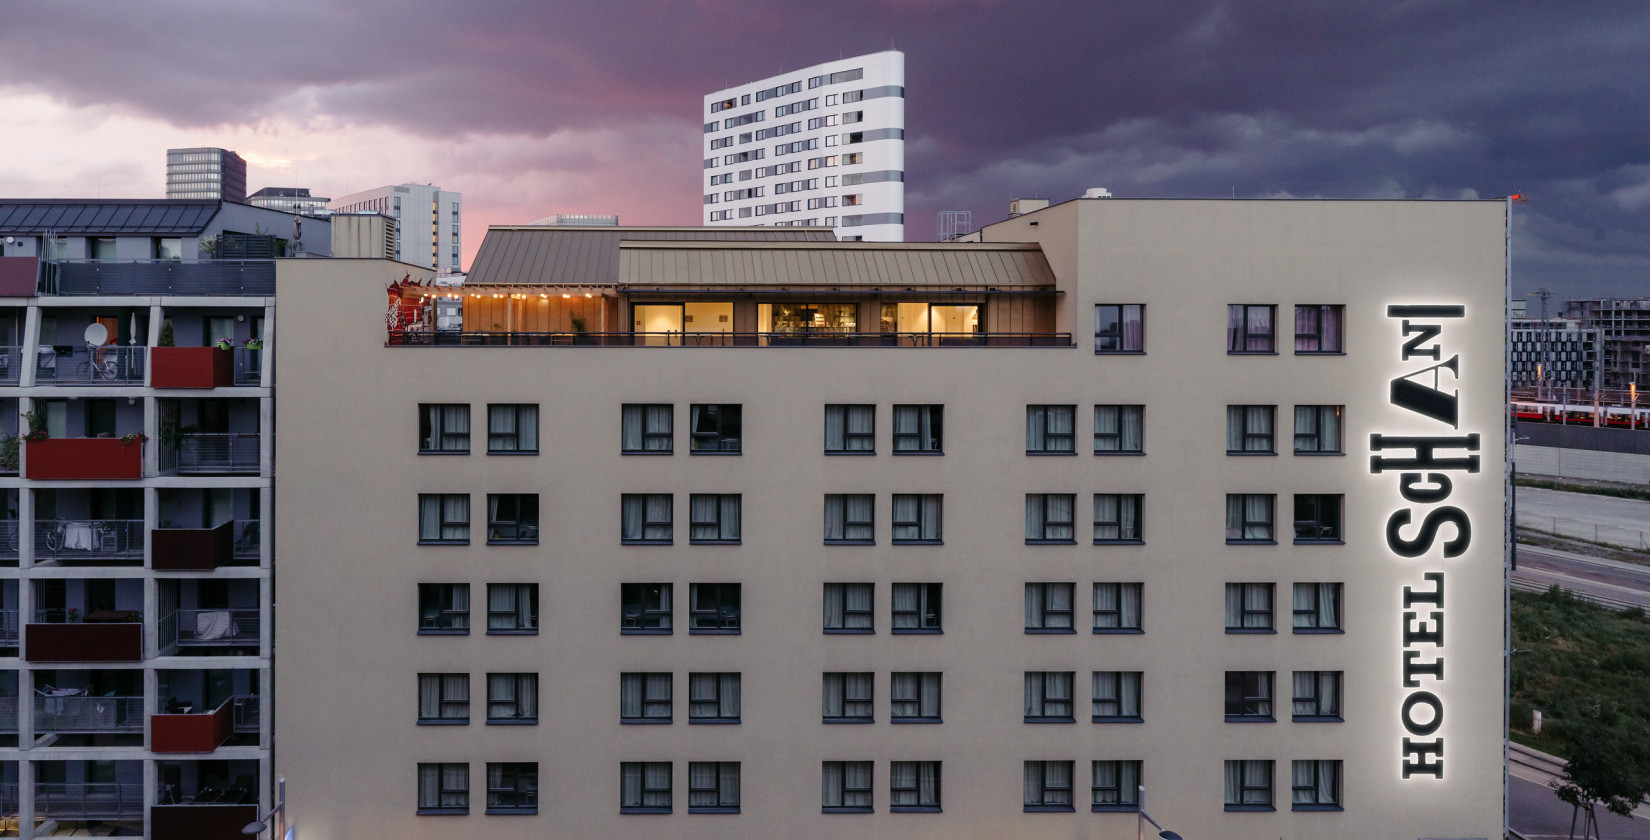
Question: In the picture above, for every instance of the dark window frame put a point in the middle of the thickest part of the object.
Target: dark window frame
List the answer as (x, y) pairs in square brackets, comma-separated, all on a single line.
[(920, 524), (708, 428), (1312, 614), (1251, 697), (868, 525), (1246, 524), (648, 701), (1038, 420), (1244, 788), (1252, 440), (1043, 700), (1047, 524), (936, 429), (520, 788), (866, 793), (723, 687), (1245, 612), (1122, 411), (1126, 796), (1317, 313), (870, 613), (444, 523), (1118, 690), (1044, 805), (635, 614), (1128, 533), (433, 599), (524, 525), (860, 703), (442, 791), (722, 805), (1311, 790), (1120, 628), (1314, 435), (723, 617), (1118, 337), (496, 440), (895, 791), (427, 433), (725, 502), (647, 432), (520, 678), (532, 590), (846, 445), (1242, 334), (921, 684), (1323, 525), (668, 524), (930, 605), (643, 791), (443, 702), (1326, 709), (1046, 591)]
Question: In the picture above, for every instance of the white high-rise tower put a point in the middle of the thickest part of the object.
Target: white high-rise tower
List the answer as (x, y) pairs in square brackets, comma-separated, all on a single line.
[(823, 145)]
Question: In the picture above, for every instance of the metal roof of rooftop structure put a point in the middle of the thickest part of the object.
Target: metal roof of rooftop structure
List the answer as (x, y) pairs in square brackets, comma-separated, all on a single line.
[(522, 254), (860, 265), (80, 217)]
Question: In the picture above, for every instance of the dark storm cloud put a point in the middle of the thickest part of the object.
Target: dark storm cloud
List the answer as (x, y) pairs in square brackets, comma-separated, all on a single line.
[(1030, 97)]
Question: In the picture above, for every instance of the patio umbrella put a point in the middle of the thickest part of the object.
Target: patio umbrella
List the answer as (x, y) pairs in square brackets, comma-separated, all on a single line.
[(134, 339)]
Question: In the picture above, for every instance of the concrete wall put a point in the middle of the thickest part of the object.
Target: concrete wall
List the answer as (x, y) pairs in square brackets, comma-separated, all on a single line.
[(1582, 463), (347, 524)]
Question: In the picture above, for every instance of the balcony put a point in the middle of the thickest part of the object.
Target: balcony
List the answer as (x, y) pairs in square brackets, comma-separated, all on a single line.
[(197, 629), (8, 628), (104, 365), (8, 715), (227, 278), (192, 549), (193, 367), (19, 276), (109, 636), (11, 365), (66, 711), (88, 801), (727, 339), (217, 453), (11, 538), (194, 731), (249, 366), (83, 458), (202, 820), (103, 542)]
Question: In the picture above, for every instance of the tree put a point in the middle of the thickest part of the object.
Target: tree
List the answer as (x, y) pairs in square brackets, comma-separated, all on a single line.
[(1600, 772)]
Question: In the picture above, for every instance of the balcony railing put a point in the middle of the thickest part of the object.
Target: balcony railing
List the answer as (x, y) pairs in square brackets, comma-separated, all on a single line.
[(249, 366), (217, 453), (726, 339), (106, 365), (11, 365), (248, 539), (246, 710), (98, 800), (8, 715), (88, 540), (11, 539), (83, 458), (209, 628), (111, 636), (8, 628), (79, 714), (230, 278)]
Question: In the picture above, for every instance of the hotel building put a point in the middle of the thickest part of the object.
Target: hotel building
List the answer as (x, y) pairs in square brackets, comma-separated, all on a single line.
[(750, 533), (824, 145)]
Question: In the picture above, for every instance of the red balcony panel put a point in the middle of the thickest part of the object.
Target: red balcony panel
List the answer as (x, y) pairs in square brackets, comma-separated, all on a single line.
[(86, 642), (95, 458), (196, 733), (200, 822), (17, 276), (191, 367), (191, 549)]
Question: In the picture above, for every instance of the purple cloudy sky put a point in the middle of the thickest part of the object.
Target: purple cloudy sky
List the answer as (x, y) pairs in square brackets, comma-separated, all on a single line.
[(531, 107)]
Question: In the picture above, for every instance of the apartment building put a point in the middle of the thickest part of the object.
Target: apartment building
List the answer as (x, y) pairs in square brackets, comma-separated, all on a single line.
[(1624, 326), (205, 172), (1557, 352), (749, 533), (427, 221), (820, 146)]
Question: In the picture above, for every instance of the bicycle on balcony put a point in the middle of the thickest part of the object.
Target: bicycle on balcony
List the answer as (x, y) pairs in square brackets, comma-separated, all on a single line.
[(51, 536)]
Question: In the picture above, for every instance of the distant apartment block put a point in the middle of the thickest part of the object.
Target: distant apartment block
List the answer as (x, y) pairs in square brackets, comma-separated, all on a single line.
[(820, 146), (205, 173), (1555, 353), (427, 221), (1624, 328), (577, 220), (291, 200)]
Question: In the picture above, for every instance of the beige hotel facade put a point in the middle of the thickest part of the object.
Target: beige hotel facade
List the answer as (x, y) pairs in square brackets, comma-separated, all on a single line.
[(749, 533)]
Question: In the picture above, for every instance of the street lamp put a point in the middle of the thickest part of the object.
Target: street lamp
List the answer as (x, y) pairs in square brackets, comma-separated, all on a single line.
[(1143, 818), (282, 832)]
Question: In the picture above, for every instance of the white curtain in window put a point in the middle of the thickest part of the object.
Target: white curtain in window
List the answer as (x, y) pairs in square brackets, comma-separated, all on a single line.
[(1331, 342), (1117, 428), (501, 428), (1306, 424), (455, 511), (913, 428), (1329, 692), (1234, 783), (1329, 431), (1306, 328), (1260, 328), (1108, 789), (1057, 775), (704, 512), (857, 597), (856, 778), (836, 427), (501, 695), (527, 427), (508, 607), (1303, 603), (1134, 434), (831, 705), (429, 517), (835, 606), (1258, 418), (1130, 593), (730, 503), (1328, 596), (830, 784), (429, 785), (1234, 428), (928, 783), (1304, 785), (658, 517), (1234, 605), (630, 695), (1257, 514), (1107, 608), (429, 696), (1034, 604), (1059, 597), (1305, 688), (1257, 606), (1234, 327), (902, 780), (1234, 516), (860, 510), (1059, 509), (861, 427), (1062, 425), (908, 524), (1034, 516), (630, 784), (527, 695), (460, 606), (856, 689), (1329, 782), (702, 784), (631, 429), (1128, 689), (907, 605), (1036, 428), (835, 518), (656, 784), (1033, 783), (657, 437)]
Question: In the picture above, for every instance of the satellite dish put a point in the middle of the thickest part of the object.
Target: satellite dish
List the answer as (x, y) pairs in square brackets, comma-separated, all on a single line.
[(97, 335)]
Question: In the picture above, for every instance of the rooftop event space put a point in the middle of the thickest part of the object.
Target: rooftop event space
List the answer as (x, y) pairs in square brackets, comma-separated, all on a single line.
[(753, 287)]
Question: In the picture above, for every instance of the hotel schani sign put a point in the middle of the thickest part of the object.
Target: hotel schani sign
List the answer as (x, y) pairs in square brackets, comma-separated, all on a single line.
[(1427, 455)]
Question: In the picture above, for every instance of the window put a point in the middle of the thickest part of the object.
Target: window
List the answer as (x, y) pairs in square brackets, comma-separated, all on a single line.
[(644, 608), (847, 697), (644, 787), (913, 786), (443, 519), (512, 698), (1318, 329), (916, 519), (1317, 696), (646, 430), (1119, 429), (713, 787), (1317, 608), (1249, 786), (715, 429), (1249, 429), (443, 699), (646, 519), (916, 608), (1249, 608), (1117, 696), (1120, 328), (1317, 518), (1048, 785), (1316, 785), (713, 608), (1249, 329), (1051, 429), (512, 519), (644, 698), (1117, 518), (713, 698), (1116, 786), (1317, 429), (919, 429), (1248, 696), (850, 429), (845, 787), (512, 608), (443, 609), (1249, 518), (443, 789), (513, 788), (850, 519), (1117, 608), (848, 608), (513, 428), (1049, 518), (714, 518), (914, 697), (1049, 607), (1048, 697), (443, 429)]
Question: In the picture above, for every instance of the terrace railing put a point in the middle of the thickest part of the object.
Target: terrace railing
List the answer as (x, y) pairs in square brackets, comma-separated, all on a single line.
[(81, 365), (228, 278), (217, 453), (97, 800), (209, 628), (725, 339), (82, 714)]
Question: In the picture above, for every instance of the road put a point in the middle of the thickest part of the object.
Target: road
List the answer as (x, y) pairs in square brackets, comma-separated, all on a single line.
[(1537, 813), (1613, 579)]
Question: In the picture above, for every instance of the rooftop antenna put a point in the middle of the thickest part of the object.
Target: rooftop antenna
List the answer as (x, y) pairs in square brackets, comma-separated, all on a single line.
[(954, 224)]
